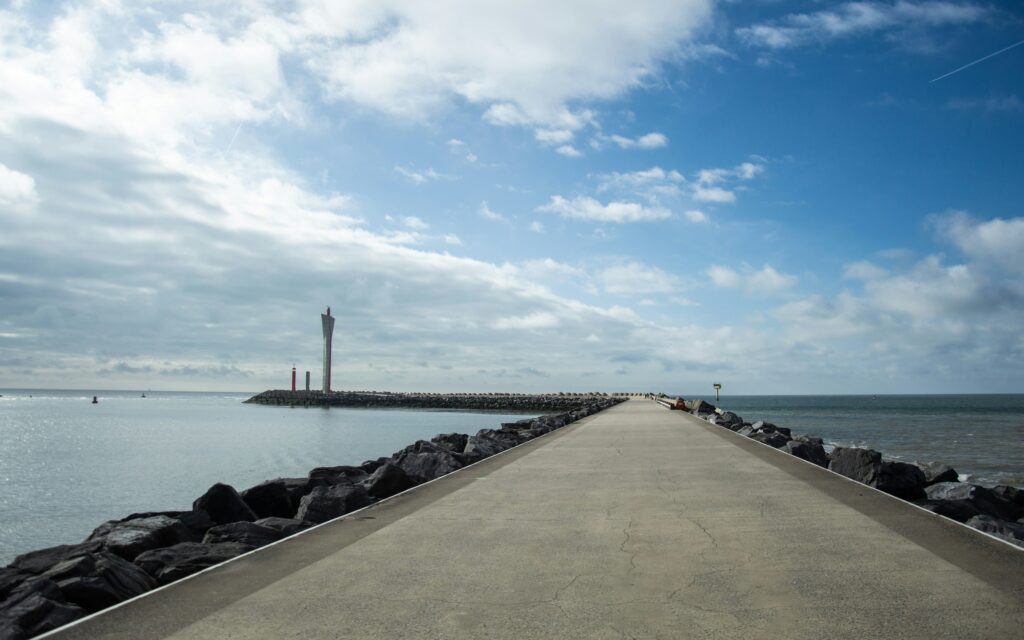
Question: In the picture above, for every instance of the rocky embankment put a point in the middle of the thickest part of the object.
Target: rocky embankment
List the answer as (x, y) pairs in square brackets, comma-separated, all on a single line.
[(45, 589), (998, 511), (511, 402)]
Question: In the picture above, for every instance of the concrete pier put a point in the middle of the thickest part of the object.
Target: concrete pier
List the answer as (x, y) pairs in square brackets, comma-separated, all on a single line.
[(637, 522)]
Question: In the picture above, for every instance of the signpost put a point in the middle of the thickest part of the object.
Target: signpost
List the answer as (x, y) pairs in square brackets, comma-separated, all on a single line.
[(718, 388)]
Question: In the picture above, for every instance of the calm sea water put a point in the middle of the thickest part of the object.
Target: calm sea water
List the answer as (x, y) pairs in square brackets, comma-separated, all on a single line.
[(981, 436), (67, 465)]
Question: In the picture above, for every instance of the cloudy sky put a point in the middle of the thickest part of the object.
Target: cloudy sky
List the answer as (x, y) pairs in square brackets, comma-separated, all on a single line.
[(779, 196)]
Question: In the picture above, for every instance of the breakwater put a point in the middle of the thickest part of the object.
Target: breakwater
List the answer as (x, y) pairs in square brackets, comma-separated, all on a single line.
[(512, 402), (123, 558), (998, 511)]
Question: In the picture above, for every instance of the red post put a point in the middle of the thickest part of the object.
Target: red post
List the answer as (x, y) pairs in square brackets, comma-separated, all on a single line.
[(293, 378)]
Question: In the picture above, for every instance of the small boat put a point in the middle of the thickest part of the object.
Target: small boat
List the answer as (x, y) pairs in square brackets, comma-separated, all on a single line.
[(95, 400)]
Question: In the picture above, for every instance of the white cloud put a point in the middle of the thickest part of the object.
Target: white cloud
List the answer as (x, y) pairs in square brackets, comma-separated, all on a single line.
[(422, 176), (653, 140), (723, 276), (864, 270), (16, 188), (485, 211), (569, 151), (993, 104), (536, 227), (533, 321), (452, 239), (695, 215), (584, 208), (768, 280), (850, 19), (414, 223), (634, 278), (999, 241), (654, 181), (553, 136), (713, 194)]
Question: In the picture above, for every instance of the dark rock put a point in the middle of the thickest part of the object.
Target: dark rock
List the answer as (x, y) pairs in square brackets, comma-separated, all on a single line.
[(329, 502), (959, 510), (810, 451), (372, 465), (776, 440), (480, 447), (935, 472), (35, 607), (902, 480), (99, 580), (10, 578), (270, 499), (286, 526), (297, 487), (247, 533), (36, 562), (423, 467), (1010, 494), (343, 474), (768, 427), (224, 505), (184, 559), (728, 418), (861, 465), (386, 481), (130, 537), (454, 442), (809, 439), (1009, 531), (746, 431), (984, 500)]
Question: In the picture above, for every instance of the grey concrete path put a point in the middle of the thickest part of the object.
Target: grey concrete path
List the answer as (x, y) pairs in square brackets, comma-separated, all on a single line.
[(634, 523)]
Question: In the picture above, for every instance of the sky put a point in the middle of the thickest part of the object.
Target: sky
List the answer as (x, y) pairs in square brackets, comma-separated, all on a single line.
[(784, 197)]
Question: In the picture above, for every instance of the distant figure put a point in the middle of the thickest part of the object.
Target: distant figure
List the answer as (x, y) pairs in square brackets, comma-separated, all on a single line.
[(94, 400), (143, 394)]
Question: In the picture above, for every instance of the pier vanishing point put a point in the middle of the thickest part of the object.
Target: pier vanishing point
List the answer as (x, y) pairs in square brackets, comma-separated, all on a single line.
[(636, 522)]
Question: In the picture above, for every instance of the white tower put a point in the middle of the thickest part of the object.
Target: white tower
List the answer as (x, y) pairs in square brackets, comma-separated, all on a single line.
[(328, 324)]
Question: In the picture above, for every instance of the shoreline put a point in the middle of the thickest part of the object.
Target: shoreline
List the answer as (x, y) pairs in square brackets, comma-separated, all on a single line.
[(934, 486), (47, 588)]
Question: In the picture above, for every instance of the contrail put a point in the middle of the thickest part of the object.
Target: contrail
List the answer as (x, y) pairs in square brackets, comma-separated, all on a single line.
[(971, 64), (239, 128)]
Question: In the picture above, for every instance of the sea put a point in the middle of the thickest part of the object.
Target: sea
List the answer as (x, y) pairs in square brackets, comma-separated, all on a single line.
[(67, 465)]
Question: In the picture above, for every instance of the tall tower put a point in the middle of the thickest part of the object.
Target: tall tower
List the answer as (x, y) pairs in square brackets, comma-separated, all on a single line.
[(328, 324)]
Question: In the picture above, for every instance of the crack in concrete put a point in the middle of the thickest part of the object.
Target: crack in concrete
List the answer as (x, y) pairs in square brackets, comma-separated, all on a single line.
[(714, 543), (622, 547)]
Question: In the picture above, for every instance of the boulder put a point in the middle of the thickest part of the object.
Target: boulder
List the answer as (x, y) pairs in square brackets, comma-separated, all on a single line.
[(38, 561), (1010, 494), (329, 502), (984, 500), (386, 481), (372, 465), (270, 499), (344, 474), (959, 510), (34, 607), (861, 465), (131, 536), (423, 467), (286, 526), (746, 431), (809, 439), (184, 559), (776, 440), (935, 472), (728, 418), (902, 480), (480, 447), (810, 451), (454, 442), (224, 505), (99, 580), (248, 533), (1009, 531)]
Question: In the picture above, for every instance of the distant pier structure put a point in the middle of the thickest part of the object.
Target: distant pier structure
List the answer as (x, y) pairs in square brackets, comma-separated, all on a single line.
[(307, 381), (328, 325)]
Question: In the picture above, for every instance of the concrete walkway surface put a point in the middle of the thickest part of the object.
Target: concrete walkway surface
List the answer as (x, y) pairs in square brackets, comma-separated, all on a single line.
[(637, 522)]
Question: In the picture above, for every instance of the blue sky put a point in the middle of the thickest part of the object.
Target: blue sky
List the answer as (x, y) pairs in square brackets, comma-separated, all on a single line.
[(655, 195)]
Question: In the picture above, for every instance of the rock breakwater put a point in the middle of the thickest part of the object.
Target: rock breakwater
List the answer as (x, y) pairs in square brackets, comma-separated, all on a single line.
[(509, 402), (48, 588), (934, 486)]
